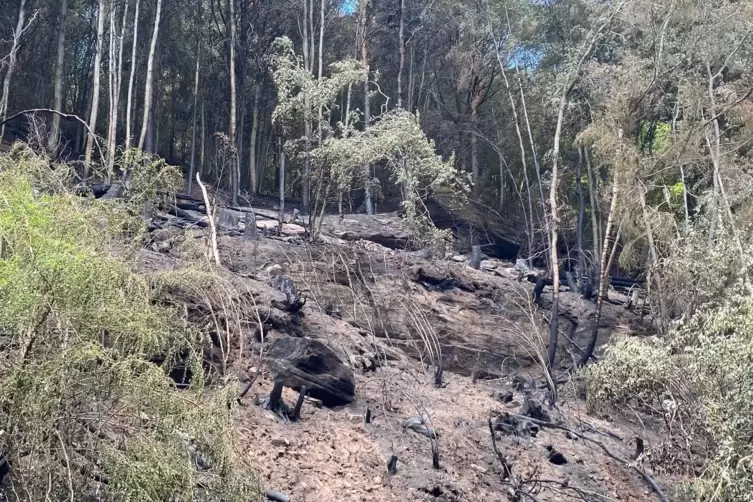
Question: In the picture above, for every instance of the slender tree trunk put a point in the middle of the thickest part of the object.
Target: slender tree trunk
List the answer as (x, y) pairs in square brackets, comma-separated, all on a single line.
[(554, 320), (115, 93), (715, 147), (240, 139), (581, 213), (252, 169), (149, 86), (369, 199), (111, 62), (411, 79), (233, 107), (312, 44), (401, 46), (478, 95), (603, 274), (129, 104), (192, 167), (95, 87), (592, 190), (202, 148), (282, 181), (308, 64), (58, 95), (12, 57), (319, 79), (653, 267), (516, 120)]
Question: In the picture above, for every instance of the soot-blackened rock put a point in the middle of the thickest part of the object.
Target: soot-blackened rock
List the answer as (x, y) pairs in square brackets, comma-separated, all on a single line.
[(306, 362)]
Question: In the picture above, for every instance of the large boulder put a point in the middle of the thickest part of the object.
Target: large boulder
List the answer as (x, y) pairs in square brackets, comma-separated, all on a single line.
[(306, 362)]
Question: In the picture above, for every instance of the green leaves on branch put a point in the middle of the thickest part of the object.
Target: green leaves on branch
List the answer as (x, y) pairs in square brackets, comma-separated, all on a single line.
[(397, 141), (299, 93)]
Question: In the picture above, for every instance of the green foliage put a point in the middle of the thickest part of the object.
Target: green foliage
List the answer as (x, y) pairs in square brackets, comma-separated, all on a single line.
[(654, 136), (699, 379), (299, 93), (82, 408), (398, 141), (630, 371)]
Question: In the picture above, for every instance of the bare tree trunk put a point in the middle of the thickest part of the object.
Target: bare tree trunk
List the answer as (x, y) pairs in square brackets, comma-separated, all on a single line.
[(401, 46), (129, 104), (95, 91), (411, 79), (12, 57), (115, 93), (233, 107), (581, 213), (149, 86), (516, 120), (202, 148), (474, 146), (282, 182), (319, 80), (572, 79), (603, 274), (715, 147), (111, 61), (594, 209), (253, 174), (654, 260), (308, 65), (369, 199), (58, 96), (192, 167), (554, 320)]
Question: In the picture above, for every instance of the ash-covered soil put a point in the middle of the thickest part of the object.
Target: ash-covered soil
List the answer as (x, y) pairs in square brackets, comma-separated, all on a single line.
[(393, 315)]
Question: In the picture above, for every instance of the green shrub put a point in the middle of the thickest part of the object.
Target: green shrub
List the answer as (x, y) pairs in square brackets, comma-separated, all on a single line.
[(699, 380), (631, 371), (82, 408)]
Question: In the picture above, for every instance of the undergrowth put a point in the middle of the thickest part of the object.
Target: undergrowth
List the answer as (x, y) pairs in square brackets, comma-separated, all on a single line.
[(84, 412), (699, 381)]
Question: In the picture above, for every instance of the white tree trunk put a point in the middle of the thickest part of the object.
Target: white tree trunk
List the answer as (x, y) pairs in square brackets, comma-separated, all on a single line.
[(401, 47), (129, 104), (95, 91), (116, 80), (12, 57), (233, 108), (148, 87), (252, 169)]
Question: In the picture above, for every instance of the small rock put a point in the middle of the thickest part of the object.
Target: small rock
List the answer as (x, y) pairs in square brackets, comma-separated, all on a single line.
[(503, 396), (459, 258), (556, 457), (479, 468), (488, 265), (280, 442)]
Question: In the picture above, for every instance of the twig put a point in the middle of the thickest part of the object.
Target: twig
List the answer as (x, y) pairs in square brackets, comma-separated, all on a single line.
[(212, 228), (61, 114), (505, 465), (601, 445)]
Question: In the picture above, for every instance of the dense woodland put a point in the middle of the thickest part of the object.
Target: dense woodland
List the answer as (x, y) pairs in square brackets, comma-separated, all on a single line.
[(614, 136)]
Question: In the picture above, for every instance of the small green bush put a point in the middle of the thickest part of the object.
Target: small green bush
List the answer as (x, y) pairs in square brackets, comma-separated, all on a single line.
[(83, 411), (631, 371)]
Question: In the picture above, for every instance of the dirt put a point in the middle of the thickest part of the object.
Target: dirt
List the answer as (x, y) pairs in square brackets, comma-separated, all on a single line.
[(393, 322)]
